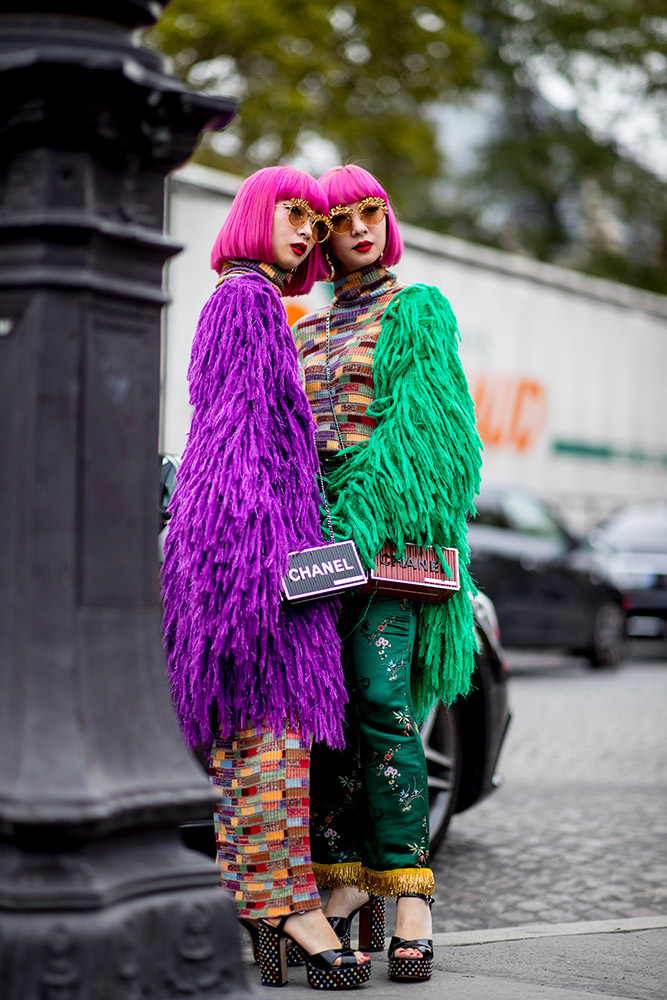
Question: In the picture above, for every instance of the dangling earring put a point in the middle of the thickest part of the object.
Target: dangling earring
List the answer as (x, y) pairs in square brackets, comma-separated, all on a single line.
[(330, 265)]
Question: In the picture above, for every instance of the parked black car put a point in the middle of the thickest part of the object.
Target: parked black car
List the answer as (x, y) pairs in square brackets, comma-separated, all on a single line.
[(168, 468), (462, 743), (549, 589), (632, 545)]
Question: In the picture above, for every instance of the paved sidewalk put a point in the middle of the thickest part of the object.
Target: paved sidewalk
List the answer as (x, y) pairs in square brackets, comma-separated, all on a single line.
[(594, 960), (577, 832)]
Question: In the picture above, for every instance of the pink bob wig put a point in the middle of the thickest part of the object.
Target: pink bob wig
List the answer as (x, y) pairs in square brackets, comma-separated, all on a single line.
[(246, 232), (349, 184)]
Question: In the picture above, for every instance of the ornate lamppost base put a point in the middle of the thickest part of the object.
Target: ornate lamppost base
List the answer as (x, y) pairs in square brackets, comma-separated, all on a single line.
[(99, 898), (116, 920)]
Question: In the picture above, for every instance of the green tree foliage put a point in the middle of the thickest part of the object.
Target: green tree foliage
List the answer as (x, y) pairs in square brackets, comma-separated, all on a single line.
[(545, 181), (371, 80), (360, 76)]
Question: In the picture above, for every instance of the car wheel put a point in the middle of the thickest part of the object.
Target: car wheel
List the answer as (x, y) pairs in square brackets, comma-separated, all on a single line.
[(608, 643), (442, 747)]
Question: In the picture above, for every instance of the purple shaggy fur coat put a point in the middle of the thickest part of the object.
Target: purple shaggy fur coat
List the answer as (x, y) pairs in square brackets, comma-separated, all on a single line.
[(246, 495)]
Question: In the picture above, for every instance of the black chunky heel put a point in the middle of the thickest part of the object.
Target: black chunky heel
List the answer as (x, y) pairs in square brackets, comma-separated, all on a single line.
[(272, 954), (321, 972), (371, 925), (294, 956), (411, 970)]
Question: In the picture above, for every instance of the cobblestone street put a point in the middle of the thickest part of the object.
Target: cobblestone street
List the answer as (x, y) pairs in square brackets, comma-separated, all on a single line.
[(578, 830)]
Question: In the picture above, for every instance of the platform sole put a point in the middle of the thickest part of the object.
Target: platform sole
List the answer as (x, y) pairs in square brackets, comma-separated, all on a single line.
[(346, 978), (410, 970)]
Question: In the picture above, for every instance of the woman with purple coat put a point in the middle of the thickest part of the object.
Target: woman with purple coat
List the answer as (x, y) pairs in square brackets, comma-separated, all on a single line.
[(252, 679)]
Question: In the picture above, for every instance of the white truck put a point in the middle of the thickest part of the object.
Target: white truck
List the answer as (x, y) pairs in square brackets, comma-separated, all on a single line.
[(568, 372)]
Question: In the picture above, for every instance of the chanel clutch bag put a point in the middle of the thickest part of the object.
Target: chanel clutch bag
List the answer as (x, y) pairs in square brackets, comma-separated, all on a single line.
[(322, 571), (419, 574)]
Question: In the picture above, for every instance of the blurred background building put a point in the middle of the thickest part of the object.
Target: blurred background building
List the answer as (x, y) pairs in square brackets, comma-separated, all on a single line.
[(567, 371)]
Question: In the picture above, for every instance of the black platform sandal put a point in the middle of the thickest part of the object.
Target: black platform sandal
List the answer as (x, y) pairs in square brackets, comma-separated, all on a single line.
[(321, 973), (253, 933), (294, 956), (411, 970), (371, 925)]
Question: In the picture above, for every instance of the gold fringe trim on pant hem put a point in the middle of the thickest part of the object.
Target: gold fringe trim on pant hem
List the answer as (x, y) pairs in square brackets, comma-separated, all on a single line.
[(400, 880), (337, 876), (389, 883)]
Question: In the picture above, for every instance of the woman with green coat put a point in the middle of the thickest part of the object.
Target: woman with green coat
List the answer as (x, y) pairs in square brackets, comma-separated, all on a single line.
[(396, 436)]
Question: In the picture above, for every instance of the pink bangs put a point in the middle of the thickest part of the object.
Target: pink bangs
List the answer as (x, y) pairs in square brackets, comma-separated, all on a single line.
[(346, 185), (246, 232)]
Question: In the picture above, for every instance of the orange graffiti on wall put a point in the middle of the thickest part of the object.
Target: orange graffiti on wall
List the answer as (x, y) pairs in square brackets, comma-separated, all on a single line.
[(511, 411)]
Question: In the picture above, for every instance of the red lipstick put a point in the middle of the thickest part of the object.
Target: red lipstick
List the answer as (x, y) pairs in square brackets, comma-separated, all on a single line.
[(298, 248), (362, 246)]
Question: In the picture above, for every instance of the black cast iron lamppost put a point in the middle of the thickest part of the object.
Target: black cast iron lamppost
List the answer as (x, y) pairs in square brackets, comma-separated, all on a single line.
[(98, 897)]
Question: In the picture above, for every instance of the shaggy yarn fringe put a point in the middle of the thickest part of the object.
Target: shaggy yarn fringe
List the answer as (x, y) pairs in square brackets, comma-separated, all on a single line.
[(246, 495), (416, 478)]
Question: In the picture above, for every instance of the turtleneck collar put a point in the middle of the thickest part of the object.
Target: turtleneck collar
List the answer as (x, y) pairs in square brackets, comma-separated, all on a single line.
[(368, 281), (275, 274)]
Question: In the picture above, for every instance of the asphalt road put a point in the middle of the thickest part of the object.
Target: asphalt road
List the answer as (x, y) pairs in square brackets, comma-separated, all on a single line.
[(578, 830)]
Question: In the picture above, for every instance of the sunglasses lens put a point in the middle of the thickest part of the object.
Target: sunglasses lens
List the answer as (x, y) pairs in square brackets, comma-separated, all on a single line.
[(320, 230), (297, 216), (372, 215), (340, 223)]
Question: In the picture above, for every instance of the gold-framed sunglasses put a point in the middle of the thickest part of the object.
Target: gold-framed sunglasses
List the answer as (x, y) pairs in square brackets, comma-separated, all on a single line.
[(372, 211), (300, 212)]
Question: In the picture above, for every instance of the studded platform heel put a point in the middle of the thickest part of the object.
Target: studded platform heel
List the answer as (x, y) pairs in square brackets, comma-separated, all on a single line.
[(294, 956), (321, 973), (371, 925), (411, 970)]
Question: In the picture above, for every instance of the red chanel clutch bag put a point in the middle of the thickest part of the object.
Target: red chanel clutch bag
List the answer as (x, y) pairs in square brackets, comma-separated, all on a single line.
[(419, 575)]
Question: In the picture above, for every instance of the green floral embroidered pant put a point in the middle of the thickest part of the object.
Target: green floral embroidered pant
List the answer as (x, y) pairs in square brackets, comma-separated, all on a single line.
[(369, 819)]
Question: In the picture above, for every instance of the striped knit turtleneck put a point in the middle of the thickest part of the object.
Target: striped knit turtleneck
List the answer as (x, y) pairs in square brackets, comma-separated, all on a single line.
[(359, 301), (275, 274)]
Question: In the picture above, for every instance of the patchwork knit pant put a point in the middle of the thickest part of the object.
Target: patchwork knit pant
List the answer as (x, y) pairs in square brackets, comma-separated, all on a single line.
[(261, 822), (369, 821)]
